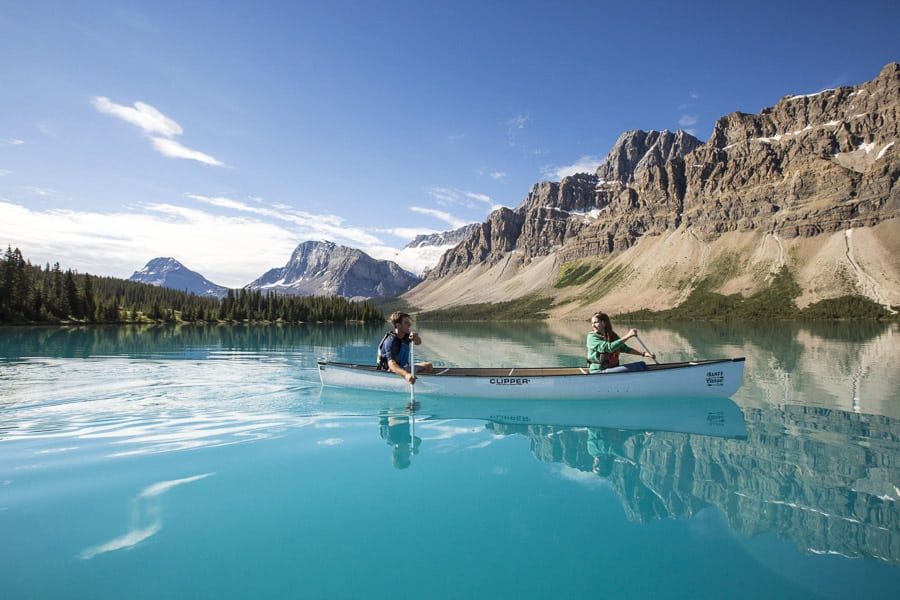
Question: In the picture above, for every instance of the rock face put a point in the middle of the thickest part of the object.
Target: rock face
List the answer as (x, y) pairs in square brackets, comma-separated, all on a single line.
[(169, 273), (809, 166), (325, 269), (637, 152), (446, 238)]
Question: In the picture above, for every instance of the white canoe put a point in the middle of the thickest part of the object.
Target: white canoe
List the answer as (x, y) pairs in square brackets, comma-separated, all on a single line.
[(700, 379)]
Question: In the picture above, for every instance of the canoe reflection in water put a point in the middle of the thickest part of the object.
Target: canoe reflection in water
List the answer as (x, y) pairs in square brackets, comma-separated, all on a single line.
[(397, 431), (716, 417)]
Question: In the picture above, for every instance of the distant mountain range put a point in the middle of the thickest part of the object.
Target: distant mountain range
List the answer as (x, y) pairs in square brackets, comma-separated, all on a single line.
[(317, 268), (168, 272)]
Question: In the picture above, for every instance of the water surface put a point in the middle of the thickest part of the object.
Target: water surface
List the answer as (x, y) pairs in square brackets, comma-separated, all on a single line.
[(206, 462)]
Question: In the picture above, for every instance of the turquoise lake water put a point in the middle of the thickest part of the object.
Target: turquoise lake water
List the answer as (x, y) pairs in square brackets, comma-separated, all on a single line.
[(207, 462)]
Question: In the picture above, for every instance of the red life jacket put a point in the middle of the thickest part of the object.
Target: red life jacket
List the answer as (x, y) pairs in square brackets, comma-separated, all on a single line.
[(609, 359)]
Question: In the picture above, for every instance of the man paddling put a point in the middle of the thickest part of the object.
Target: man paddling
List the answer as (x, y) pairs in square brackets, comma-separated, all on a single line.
[(393, 352)]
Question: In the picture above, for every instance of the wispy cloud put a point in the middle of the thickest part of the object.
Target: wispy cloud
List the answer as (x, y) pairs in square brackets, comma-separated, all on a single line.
[(585, 164), (497, 174), (517, 122), (39, 191), (441, 215), (456, 197), (687, 123), (13, 141), (514, 126), (173, 149), (159, 127), (308, 225)]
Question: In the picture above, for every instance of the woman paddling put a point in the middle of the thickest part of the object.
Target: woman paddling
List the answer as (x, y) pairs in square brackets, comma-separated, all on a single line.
[(604, 345)]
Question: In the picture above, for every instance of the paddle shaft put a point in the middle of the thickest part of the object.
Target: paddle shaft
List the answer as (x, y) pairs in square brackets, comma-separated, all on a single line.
[(412, 368), (646, 349)]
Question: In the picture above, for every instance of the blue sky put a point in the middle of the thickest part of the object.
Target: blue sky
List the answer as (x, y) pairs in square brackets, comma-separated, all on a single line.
[(225, 133)]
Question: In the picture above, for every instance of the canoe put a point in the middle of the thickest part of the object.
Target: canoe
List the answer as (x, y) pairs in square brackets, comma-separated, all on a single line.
[(716, 417), (701, 379)]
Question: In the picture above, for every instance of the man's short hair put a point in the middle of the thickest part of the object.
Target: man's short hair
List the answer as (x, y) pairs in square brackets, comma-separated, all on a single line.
[(397, 316)]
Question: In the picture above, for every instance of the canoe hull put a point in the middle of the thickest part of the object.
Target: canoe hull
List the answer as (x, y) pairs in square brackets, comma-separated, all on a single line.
[(703, 379)]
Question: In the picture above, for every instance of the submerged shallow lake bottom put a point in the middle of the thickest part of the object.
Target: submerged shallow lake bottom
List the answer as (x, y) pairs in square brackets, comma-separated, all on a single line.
[(214, 465)]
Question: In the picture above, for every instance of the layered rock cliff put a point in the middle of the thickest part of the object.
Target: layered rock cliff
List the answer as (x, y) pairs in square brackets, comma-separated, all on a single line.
[(807, 168)]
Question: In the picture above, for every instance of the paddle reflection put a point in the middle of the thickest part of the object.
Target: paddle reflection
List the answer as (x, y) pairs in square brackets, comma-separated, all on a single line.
[(398, 431)]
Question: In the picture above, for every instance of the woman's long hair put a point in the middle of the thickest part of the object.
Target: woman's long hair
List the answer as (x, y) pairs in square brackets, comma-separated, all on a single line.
[(605, 330)]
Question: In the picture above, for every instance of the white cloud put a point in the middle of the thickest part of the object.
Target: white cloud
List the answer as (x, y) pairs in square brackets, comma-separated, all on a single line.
[(39, 191), (585, 164), (149, 119), (13, 141), (497, 174), (309, 226), (687, 120), (514, 126), (173, 149), (158, 126), (517, 122), (446, 217), (447, 196)]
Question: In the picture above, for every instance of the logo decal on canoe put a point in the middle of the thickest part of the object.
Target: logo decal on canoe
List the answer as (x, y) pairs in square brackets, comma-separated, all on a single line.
[(510, 381), (715, 378)]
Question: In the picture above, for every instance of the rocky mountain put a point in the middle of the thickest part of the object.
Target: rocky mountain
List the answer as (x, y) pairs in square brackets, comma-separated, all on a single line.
[(445, 238), (168, 272), (325, 269), (422, 253), (664, 211)]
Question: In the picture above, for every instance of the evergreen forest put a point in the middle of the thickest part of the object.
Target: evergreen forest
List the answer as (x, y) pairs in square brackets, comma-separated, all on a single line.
[(34, 294)]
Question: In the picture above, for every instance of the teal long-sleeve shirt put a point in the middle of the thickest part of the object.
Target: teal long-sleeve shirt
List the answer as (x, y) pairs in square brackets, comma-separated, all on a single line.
[(596, 346)]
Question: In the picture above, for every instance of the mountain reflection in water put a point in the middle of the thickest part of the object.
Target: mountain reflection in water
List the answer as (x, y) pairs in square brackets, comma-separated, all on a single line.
[(825, 479)]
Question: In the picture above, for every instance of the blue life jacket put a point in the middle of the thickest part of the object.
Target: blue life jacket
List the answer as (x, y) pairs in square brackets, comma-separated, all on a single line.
[(399, 351)]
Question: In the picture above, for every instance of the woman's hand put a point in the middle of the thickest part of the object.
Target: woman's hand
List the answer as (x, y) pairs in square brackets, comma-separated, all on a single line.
[(631, 333)]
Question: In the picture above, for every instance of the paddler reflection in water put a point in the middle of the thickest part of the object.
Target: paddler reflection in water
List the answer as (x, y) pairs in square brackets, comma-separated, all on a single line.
[(393, 351), (608, 446), (395, 430)]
